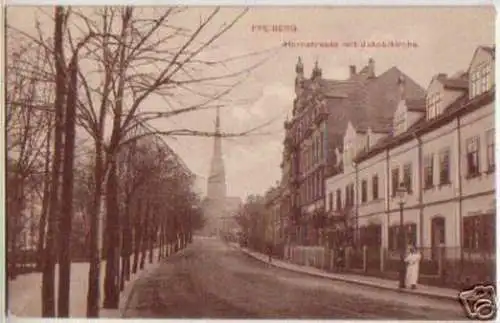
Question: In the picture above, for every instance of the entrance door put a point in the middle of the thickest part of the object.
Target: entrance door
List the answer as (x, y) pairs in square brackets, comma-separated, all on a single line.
[(438, 235)]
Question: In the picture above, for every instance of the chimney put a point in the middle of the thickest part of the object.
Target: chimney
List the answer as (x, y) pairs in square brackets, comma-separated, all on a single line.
[(401, 84), (352, 70), (371, 68)]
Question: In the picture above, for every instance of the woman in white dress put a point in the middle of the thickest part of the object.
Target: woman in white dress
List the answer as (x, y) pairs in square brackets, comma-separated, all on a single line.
[(412, 267)]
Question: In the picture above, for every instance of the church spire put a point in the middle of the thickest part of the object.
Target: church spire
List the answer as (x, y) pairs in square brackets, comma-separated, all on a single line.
[(216, 186), (217, 122)]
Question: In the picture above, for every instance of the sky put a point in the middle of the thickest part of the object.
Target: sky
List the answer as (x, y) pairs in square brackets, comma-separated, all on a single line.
[(446, 38)]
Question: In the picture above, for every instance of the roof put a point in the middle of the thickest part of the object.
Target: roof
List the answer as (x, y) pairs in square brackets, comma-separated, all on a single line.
[(423, 125), (336, 88), (489, 49), (455, 83), (381, 99), (366, 102), (416, 105)]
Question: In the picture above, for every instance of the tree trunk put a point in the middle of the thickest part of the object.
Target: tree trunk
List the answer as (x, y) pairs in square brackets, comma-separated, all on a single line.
[(137, 247), (48, 298), (95, 252), (145, 234), (14, 227), (126, 248), (151, 246), (45, 201), (66, 215), (111, 288), (138, 234)]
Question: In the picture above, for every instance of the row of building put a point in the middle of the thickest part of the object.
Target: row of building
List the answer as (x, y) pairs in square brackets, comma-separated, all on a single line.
[(353, 145)]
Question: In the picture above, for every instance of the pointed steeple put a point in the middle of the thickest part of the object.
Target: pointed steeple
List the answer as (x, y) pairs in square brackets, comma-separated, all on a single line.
[(217, 122), (299, 67), (216, 186), (316, 72)]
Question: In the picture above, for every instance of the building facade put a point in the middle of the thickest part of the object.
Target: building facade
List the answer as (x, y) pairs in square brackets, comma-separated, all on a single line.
[(441, 150), (275, 224), (314, 137)]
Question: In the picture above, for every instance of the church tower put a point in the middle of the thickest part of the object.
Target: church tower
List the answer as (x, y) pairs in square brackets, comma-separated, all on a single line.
[(215, 205), (216, 185)]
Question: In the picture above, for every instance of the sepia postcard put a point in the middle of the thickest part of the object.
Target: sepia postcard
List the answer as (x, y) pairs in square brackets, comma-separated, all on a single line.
[(324, 162)]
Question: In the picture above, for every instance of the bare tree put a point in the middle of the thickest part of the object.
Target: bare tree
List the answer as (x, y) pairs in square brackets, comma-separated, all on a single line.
[(119, 58), (27, 131)]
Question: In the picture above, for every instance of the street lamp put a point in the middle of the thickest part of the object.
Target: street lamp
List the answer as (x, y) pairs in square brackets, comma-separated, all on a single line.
[(401, 199)]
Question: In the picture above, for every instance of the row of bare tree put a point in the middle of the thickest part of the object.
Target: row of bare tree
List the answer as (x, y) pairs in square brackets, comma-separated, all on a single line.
[(81, 144)]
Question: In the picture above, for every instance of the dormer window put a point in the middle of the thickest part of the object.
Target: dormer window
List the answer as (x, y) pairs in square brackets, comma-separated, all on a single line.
[(481, 79), (433, 105), (399, 123)]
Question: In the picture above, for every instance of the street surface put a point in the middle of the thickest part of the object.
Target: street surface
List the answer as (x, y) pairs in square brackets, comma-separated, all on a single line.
[(210, 279)]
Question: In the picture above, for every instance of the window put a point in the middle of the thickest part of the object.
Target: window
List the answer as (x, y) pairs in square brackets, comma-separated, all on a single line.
[(490, 149), (444, 167), (429, 171), (407, 178), (433, 105), (484, 78), (319, 185), (364, 191), (410, 236), (375, 187), (370, 235), (339, 199), (347, 196), (318, 149), (479, 232), (395, 180), (322, 182), (393, 237), (330, 201), (474, 83), (321, 144), (472, 156), (481, 79), (399, 122), (313, 187)]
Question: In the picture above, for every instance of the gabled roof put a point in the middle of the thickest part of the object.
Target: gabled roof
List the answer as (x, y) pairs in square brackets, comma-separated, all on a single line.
[(488, 49), (421, 126)]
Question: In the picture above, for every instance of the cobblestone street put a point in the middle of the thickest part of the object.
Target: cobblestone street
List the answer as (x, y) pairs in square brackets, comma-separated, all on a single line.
[(212, 280)]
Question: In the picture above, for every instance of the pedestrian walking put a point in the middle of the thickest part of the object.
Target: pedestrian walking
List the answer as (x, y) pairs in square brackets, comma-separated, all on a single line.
[(340, 258), (270, 251), (412, 261)]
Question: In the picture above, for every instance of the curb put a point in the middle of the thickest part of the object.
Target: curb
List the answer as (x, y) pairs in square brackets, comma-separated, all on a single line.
[(127, 293), (353, 281), (129, 289)]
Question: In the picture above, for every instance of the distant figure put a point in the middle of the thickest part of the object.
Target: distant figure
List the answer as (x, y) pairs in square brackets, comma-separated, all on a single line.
[(269, 251), (340, 258), (412, 261)]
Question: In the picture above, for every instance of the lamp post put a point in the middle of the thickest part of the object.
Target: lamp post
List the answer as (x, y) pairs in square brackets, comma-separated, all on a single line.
[(401, 195)]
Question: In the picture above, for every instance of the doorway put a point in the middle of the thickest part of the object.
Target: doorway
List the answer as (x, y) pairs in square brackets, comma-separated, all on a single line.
[(437, 235)]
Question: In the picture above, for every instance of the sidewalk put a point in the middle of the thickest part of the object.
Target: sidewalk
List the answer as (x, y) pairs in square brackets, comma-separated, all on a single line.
[(422, 290), (25, 291)]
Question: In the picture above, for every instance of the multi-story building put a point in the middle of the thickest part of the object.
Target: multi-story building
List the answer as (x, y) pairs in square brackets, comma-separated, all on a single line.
[(274, 227), (441, 150), (315, 135)]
